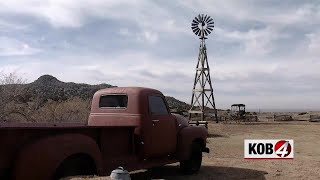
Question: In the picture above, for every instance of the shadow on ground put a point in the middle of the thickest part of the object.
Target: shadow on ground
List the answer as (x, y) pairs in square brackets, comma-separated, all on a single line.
[(212, 135), (206, 172)]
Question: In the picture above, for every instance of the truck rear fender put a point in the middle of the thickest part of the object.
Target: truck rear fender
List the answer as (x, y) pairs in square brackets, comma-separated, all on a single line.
[(41, 158), (187, 136)]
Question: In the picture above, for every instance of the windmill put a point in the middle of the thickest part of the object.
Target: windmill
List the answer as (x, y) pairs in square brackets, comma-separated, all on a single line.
[(202, 92)]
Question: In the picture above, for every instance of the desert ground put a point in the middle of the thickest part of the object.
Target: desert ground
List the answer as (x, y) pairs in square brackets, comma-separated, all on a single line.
[(226, 161)]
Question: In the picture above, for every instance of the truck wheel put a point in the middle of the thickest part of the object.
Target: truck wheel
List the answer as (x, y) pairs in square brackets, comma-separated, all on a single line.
[(193, 164), (75, 165)]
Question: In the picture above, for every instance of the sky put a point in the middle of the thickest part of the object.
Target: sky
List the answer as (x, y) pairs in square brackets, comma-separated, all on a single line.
[(261, 53)]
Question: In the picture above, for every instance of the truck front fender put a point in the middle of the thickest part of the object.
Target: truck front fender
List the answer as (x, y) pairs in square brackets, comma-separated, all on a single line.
[(39, 160), (187, 136)]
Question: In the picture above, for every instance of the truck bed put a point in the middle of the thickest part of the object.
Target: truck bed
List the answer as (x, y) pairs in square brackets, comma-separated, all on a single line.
[(14, 136), (10, 125)]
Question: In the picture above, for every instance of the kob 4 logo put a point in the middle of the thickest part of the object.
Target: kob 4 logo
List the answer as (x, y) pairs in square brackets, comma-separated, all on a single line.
[(268, 149)]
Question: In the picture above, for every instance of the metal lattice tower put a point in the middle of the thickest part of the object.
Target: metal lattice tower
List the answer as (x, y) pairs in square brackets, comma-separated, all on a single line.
[(202, 92)]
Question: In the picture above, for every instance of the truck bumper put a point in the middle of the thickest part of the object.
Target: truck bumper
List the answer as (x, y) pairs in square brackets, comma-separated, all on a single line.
[(207, 150)]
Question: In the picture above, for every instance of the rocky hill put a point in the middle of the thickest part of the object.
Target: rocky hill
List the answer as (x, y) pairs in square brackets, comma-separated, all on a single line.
[(177, 104), (48, 87)]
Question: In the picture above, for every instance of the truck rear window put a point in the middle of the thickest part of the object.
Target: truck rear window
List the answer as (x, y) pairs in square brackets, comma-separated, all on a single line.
[(113, 101)]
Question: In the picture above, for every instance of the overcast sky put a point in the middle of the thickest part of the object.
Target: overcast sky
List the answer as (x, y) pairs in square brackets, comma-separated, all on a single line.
[(261, 53)]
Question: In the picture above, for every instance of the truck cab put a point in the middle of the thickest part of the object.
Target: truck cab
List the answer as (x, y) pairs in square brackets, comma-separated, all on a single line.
[(156, 132)]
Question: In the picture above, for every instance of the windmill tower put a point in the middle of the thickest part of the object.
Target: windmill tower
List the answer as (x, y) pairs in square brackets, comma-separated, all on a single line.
[(202, 93)]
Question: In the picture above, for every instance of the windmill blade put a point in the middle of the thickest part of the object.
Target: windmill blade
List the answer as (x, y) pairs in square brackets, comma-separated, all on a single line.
[(208, 31), (199, 17), (205, 32), (194, 23), (208, 18), (200, 32), (205, 17), (196, 32), (202, 17), (197, 20), (210, 28), (194, 28), (211, 22), (210, 25)]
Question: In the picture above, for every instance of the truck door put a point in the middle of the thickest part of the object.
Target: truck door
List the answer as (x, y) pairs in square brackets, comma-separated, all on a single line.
[(161, 130)]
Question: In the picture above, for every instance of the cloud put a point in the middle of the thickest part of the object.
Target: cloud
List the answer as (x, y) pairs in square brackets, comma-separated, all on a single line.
[(124, 31), (13, 47), (9, 26), (314, 43), (148, 36), (263, 53)]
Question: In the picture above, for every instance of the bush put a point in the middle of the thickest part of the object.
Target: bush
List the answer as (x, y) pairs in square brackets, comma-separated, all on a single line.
[(15, 107), (11, 93)]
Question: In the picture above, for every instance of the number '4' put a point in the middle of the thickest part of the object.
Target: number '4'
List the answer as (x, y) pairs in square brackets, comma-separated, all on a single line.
[(283, 149)]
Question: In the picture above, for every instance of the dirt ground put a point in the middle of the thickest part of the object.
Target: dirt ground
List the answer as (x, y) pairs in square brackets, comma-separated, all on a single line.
[(225, 160)]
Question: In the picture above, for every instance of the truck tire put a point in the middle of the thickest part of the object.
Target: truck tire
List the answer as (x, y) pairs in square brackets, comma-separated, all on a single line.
[(75, 165), (193, 164)]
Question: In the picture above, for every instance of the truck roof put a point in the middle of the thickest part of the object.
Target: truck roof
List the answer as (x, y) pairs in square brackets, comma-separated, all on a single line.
[(128, 90)]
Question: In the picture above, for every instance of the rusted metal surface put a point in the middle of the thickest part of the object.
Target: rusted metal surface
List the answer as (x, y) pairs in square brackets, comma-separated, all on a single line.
[(112, 137), (137, 97), (41, 125)]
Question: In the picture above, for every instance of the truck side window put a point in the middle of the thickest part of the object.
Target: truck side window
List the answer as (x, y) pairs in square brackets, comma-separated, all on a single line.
[(157, 105), (113, 101)]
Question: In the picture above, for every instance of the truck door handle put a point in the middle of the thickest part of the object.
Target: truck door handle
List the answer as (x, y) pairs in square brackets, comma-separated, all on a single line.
[(154, 121)]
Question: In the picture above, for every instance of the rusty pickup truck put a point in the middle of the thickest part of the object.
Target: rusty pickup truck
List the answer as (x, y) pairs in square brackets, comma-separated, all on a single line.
[(128, 126)]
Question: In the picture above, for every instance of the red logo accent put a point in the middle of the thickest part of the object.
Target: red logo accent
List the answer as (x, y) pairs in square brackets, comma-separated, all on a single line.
[(282, 148)]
